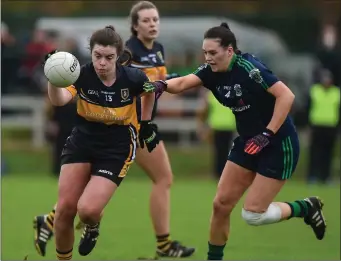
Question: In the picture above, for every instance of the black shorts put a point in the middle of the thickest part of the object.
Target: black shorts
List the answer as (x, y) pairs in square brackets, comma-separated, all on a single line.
[(277, 161), (109, 162)]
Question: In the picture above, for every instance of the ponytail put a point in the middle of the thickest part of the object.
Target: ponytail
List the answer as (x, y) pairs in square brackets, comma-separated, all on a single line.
[(125, 58)]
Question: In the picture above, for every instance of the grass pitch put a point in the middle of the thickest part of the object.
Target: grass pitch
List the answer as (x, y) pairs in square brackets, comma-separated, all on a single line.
[(126, 231)]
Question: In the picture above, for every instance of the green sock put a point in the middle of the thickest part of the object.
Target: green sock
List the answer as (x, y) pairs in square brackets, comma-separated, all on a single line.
[(299, 208), (215, 252)]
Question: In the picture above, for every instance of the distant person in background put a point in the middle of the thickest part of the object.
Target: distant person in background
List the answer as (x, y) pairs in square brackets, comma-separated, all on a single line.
[(60, 122), (329, 52), (8, 63), (70, 44), (35, 51), (31, 72), (220, 121), (51, 41), (324, 118)]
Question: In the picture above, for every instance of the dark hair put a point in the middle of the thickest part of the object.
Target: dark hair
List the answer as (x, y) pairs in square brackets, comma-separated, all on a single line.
[(224, 34), (109, 36), (134, 13), (126, 57)]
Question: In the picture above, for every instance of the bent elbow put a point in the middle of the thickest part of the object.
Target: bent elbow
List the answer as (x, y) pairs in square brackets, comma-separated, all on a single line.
[(57, 103), (292, 96), (288, 96)]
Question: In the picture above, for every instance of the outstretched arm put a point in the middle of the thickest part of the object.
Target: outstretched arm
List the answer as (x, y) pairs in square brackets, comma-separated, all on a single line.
[(180, 84), (174, 86)]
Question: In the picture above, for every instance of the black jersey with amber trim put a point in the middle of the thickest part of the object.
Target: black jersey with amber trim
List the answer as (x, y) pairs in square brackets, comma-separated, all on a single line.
[(107, 110), (151, 61)]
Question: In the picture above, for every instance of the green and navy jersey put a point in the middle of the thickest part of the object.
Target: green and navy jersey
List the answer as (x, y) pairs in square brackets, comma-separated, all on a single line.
[(243, 88)]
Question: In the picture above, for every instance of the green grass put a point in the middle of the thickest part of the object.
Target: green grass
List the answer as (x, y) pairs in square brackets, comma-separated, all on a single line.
[(127, 231)]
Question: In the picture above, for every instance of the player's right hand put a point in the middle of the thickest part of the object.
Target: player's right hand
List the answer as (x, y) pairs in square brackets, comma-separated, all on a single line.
[(259, 142), (47, 56), (158, 87)]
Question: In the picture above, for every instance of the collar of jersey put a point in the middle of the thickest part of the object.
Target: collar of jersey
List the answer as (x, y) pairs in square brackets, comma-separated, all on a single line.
[(233, 60), (141, 44), (118, 72)]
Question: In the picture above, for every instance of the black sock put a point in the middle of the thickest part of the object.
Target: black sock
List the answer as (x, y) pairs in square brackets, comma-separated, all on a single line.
[(64, 255), (163, 242), (215, 252), (93, 226), (299, 208)]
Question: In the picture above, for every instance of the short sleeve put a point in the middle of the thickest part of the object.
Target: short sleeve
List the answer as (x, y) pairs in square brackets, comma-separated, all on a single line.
[(203, 73), (72, 89), (261, 75)]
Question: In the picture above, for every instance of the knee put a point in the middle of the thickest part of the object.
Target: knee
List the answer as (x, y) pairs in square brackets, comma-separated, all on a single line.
[(256, 218), (254, 207), (222, 207), (164, 180), (88, 213), (252, 218), (66, 210)]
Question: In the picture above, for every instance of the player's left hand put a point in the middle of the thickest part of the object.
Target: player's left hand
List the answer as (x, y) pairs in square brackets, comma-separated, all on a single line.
[(158, 87), (259, 142), (148, 135)]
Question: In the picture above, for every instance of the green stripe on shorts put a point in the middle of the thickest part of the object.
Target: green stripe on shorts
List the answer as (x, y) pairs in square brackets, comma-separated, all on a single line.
[(288, 158), (284, 148), (291, 157)]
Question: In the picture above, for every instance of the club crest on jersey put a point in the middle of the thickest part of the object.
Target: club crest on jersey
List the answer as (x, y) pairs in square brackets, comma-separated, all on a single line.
[(159, 54), (238, 90), (256, 75), (125, 93)]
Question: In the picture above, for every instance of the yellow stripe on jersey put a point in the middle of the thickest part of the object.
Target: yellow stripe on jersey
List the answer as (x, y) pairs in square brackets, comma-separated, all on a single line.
[(153, 73), (72, 90), (96, 113)]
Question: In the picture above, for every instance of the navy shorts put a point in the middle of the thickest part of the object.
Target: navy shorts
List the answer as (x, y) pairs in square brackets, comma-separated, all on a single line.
[(278, 160)]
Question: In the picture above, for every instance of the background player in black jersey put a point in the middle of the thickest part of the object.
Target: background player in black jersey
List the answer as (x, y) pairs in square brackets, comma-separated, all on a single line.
[(148, 55), (265, 154), (102, 146)]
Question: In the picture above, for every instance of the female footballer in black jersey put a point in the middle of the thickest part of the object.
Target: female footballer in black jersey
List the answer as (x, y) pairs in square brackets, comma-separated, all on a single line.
[(266, 152), (102, 146), (148, 55)]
